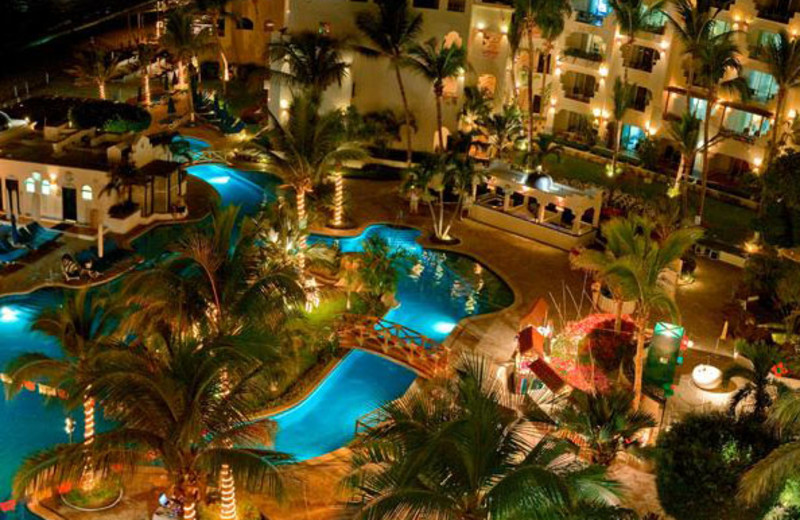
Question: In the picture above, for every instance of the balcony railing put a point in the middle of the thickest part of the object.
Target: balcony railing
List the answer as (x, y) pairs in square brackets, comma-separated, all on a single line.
[(456, 6), (760, 97), (643, 64), (745, 135), (579, 95), (582, 54), (589, 18)]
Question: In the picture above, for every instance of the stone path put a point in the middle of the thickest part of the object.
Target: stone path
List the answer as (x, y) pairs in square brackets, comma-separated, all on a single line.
[(533, 270)]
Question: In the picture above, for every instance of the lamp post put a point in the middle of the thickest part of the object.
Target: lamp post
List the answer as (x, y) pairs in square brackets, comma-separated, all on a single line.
[(69, 427)]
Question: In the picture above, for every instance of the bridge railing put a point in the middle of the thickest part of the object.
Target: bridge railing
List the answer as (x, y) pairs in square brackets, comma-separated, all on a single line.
[(394, 340)]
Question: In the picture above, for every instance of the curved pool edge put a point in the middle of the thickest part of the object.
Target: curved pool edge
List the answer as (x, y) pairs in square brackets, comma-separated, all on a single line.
[(267, 413), (427, 244)]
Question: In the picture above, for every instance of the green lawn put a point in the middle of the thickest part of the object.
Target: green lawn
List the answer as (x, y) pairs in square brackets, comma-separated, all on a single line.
[(725, 222)]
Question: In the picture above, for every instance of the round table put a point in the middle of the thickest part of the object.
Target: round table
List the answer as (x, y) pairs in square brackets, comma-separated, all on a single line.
[(707, 377)]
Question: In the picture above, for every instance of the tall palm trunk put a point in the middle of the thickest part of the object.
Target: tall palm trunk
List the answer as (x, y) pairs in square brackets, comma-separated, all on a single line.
[(225, 76), (513, 72), (439, 90), (101, 89), (87, 479), (146, 87), (529, 32), (684, 186), (406, 111), (617, 142), (772, 151), (546, 54), (704, 179), (641, 325), (300, 195), (338, 198)]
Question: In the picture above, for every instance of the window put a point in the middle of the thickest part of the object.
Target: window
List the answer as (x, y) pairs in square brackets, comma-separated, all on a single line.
[(427, 4), (86, 192), (762, 86), (30, 186), (46, 187), (698, 107), (631, 136), (456, 6), (719, 27), (244, 24)]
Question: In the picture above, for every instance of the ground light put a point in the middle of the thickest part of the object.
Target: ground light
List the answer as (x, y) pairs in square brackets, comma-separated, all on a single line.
[(221, 179), (444, 327), (8, 314)]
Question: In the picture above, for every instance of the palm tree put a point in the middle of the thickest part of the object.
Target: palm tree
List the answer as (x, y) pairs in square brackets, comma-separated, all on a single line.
[(623, 100), (638, 273), (693, 23), (769, 476), (186, 402), (763, 358), (514, 40), (607, 421), (437, 63), (502, 130), (544, 147), (716, 60), (145, 53), (218, 279), (525, 14), (95, 65), (550, 21), (314, 61), (392, 32), (183, 44), (597, 262), (686, 134), (217, 10), (456, 451), (306, 148), (633, 16), (782, 55), (84, 323), (477, 106)]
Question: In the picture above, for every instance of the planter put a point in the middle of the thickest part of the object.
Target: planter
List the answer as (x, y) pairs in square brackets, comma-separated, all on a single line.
[(445, 241), (95, 504), (609, 305)]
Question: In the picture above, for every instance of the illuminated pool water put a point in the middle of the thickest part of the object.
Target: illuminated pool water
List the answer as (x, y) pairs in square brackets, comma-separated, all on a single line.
[(28, 422), (443, 288)]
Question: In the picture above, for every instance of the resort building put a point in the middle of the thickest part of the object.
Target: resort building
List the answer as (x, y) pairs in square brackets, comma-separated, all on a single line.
[(85, 178), (573, 86)]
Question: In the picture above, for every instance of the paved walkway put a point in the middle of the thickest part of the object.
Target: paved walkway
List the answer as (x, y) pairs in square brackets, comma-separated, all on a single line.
[(533, 270)]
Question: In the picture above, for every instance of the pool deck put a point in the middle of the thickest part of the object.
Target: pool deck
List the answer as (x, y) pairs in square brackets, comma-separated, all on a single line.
[(533, 270)]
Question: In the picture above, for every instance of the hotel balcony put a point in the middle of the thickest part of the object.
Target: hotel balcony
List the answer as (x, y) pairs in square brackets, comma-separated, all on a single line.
[(780, 11), (641, 58), (578, 86), (589, 18), (584, 49)]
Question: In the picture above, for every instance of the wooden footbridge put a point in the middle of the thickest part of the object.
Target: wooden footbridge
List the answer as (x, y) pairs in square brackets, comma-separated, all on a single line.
[(425, 356)]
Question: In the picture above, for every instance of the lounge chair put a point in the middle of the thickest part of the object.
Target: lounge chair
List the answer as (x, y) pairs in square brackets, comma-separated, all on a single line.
[(70, 268)]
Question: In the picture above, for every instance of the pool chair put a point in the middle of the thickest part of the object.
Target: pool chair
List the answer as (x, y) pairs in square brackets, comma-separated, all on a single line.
[(70, 268)]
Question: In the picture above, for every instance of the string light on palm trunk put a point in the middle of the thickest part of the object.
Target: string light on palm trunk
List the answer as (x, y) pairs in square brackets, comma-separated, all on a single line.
[(338, 199), (87, 480), (189, 510), (227, 484)]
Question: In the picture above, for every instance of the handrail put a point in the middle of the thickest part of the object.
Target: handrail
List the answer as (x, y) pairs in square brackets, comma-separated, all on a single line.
[(395, 341)]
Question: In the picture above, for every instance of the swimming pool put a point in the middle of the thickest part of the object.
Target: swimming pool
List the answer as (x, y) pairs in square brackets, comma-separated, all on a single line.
[(196, 146), (29, 422), (443, 288)]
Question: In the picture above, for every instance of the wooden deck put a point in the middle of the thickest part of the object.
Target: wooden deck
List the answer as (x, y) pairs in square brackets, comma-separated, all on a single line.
[(425, 356)]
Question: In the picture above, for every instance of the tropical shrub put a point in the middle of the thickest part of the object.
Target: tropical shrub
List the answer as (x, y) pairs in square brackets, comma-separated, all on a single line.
[(700, 461), (110, 116), (609, 348)]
